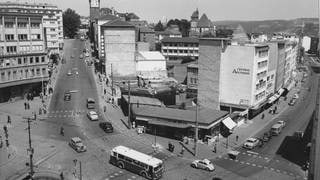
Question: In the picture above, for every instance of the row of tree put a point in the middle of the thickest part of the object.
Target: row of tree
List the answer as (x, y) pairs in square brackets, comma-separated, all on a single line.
[(183, 24)]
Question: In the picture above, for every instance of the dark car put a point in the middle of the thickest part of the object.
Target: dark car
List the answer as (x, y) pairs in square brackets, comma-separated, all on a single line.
[(266, 136), (67, 96), (106, 127)]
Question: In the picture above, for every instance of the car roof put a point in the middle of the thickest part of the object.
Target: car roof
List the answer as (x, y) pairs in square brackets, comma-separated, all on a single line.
[(252, 139), (92, 112), (76, 139)]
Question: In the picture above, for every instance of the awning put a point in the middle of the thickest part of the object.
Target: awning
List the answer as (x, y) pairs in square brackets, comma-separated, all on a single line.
[(169, 124), (229, 123), (280, 91), (273, 98), (142, 119), (244, 113)]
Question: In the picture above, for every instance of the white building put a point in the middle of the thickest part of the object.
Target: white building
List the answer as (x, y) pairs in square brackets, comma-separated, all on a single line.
[(179, 48), (243, 75), (52, 21), (306, 43), (151, 65)]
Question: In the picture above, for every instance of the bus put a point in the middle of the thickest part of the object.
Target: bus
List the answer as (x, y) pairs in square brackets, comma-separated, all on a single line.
[(90, 103), (137, 162)]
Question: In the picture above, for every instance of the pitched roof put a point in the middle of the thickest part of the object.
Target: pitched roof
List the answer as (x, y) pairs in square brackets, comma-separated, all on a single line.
[(132, 16), (117, 23), (205, 116), (240, 35), (182, 39), (204, 22), (195, 14)]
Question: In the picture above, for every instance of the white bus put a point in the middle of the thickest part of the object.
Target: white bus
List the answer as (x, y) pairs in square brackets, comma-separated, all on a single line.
[(137, 162)]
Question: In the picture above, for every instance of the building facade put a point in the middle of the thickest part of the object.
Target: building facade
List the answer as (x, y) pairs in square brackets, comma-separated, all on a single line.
[(118, 40), (180, 48), (192, 80), (52, 21), (23, 55), (151, 65)]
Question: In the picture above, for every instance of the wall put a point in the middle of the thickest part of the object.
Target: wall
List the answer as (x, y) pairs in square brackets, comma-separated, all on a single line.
[(209, 72), (280, 66), (120, 51), (151, 68), (236, 75), (306, 42)]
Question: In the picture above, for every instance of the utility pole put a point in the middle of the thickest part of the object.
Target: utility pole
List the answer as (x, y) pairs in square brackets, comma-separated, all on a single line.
[(196, 131), (30, 149), (80, 170), (111, 80), (129, 106)]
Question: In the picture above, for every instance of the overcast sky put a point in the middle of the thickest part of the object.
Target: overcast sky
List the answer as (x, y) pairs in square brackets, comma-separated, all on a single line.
[(154, 10)]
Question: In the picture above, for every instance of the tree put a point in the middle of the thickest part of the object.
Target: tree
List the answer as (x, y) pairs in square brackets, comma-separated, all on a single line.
[(159, 27), (183, 24), (71, 23)]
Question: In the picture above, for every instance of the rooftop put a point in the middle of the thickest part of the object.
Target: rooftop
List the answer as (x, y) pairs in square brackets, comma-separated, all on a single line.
[(205, 116), (204, 22), (181, 39), (118, 23), (150, 55), (143, 100)]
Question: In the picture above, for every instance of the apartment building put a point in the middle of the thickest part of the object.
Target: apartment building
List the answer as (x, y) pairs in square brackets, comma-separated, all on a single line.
[(23, 55), (180, 48), (52, 21)]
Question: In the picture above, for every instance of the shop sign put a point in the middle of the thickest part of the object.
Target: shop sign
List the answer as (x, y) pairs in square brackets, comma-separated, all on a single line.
[(241, 71)]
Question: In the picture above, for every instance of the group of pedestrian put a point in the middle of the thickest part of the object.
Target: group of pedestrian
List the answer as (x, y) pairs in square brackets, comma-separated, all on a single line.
[(26, 105)]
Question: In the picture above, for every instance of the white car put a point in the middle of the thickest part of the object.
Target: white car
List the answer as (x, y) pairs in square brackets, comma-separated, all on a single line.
[(282, 123), (203, 164), (251, 143), (93, 116), (76, 144), (77, 72), (69, 73)]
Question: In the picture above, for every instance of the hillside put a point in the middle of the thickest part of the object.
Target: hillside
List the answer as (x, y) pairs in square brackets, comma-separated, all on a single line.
[(270, 26)]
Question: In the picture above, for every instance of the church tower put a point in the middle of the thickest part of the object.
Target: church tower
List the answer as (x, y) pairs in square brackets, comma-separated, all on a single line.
[(94, 8)]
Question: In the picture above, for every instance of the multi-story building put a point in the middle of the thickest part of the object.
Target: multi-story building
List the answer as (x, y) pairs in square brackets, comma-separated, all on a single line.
[(291, 50), (192, 80), (52, 21), (180, 48), (23, 55)]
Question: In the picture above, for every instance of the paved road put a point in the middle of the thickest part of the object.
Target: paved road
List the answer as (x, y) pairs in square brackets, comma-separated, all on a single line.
[(249, 163)]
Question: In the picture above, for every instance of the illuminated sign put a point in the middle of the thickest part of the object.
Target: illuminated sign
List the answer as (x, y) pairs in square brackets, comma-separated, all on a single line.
[(241, 71)]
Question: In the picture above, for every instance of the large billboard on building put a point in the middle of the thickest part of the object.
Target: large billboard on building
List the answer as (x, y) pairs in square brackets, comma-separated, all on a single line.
[(236, 76)]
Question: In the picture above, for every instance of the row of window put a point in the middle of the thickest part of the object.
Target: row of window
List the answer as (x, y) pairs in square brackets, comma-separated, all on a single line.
[(132, 161), (180, 51), (22, 37), (262, 64), (263, 53), (22, 61), (18, 10), (181, 45), (260, 95), (18, 74), (193, 70), (261, 74), (13, 49), (21, 25), (193, 80), (261, 84)]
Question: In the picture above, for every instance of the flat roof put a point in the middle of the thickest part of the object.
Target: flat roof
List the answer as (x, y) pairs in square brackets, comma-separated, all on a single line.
[(205, 116), (131, 153), (143, 100), (180, 39)]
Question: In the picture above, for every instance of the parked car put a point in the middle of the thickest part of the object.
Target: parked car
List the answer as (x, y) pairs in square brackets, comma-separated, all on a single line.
[(266, 136), (292, 102), (282, 123), (93, 116), (76, 144), (276, 129), (251, 143), (67, 96), (295, 96), (203, 164), (106, 127), (69, 73)]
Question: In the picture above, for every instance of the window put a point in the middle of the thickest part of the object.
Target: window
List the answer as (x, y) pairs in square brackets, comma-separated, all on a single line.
[(52, 22), (8, 24), (31, 60), (52, 29), (22, 25), (9, 37), (22, 37), (2, 76), (9, 75), (32, 72), (38, 72), (37, 59), (26, 72), (24, 60), (19, 60), (42, 59), (35, 25), (53, 35), (11, 49), (14, 75), (44, 71), (36, 36)]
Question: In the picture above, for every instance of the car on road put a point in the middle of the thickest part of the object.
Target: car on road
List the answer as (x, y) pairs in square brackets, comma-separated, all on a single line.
[(282, 123), (266, 136), (67, 96), (106, 127), (251, 143), (203, 164), (77, 145), (69, 73), (93, 116), (292, 102), (276, 129)]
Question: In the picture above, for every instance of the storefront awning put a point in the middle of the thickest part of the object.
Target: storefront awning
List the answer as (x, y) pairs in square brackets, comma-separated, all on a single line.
[(280, 91), (229, 123), (273, 98), (142, 119), (169, 124)]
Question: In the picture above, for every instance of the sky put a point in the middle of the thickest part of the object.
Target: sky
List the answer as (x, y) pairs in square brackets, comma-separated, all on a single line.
[(216, 10)]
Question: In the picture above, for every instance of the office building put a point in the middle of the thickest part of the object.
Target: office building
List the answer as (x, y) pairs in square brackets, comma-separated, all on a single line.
[(180, 48)]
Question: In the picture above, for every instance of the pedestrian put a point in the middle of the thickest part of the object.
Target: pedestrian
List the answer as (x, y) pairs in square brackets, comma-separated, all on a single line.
[(61, 176), (237, 138), (105, 91), (104, 108), (262, 116), (215, 148), (9, 119), (275, 109), (182, 151), (25, 105)]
